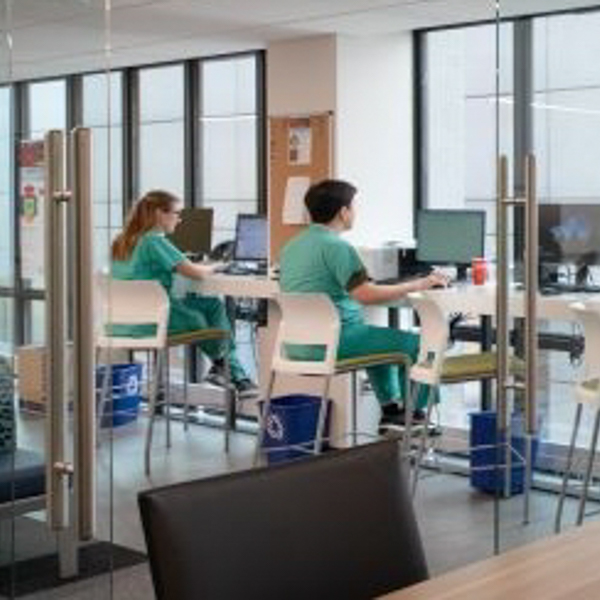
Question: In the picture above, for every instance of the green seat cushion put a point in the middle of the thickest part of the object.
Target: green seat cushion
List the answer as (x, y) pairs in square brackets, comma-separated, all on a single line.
[(198, 335), (482, 365), (371, 360)]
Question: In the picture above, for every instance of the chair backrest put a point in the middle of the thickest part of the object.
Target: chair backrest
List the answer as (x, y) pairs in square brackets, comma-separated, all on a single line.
[(433, 338), (589, 317), (339, 525), (132, 302), (307, 320)]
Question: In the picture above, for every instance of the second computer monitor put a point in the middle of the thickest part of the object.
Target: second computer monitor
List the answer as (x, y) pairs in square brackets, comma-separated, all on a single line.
[(193, 235), (251, 239), (450, 237)]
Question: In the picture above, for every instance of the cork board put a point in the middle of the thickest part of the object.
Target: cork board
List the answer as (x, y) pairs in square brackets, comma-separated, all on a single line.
[(299, 147)]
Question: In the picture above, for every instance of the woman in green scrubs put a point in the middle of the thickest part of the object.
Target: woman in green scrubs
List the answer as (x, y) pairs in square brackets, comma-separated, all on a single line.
[(319, 260), (142, 251)]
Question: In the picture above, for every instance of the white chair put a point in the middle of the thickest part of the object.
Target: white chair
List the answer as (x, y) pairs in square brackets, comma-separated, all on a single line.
[(313, 320), (433, 368), (133, 303), (587, 392), (140, 302)]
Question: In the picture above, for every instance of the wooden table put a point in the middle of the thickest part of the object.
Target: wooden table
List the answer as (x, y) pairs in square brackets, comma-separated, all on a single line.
[(563, 567)]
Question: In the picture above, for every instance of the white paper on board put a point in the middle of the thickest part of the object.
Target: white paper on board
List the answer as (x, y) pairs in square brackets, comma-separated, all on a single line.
[(294, 212)]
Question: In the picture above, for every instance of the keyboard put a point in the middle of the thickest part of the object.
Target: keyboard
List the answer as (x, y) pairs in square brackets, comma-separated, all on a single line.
[(234, 268), (569, 288)]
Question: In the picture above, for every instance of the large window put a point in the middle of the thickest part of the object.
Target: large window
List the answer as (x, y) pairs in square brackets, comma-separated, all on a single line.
[(460, 125), (6, 221), (6, 182), (161, 129), (228, 129), (138, 119), (464, 126), (102, 112), (567, 107)]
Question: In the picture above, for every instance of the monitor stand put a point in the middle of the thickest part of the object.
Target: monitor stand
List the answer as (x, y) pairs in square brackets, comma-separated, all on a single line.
[(461, 272), (582, 275)]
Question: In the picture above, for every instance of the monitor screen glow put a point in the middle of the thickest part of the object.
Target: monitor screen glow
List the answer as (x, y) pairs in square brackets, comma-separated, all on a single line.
[(251, 238), (450, 237)]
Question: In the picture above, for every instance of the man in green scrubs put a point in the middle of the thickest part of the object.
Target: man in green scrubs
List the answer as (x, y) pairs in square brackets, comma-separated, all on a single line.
[(319, 260)]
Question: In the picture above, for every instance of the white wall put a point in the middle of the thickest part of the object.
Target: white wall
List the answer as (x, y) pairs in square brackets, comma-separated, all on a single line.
[(301, 76), (367, 82), (374, 133)]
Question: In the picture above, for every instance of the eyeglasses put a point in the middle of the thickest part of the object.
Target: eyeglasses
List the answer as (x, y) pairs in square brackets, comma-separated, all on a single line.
[(173, 212)]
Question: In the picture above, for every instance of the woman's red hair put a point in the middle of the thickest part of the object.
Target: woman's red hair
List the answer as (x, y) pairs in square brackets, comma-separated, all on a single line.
[(141, 218)]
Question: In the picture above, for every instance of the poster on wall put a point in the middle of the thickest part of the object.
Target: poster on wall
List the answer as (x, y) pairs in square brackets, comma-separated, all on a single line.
[(31, 210), (299, 142)]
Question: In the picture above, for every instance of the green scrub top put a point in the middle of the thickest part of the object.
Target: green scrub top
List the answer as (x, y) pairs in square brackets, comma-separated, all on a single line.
[(154, 257), (318, 260)]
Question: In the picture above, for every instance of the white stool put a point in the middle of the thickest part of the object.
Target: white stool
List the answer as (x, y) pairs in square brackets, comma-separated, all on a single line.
[(313, 320), (587, 391)]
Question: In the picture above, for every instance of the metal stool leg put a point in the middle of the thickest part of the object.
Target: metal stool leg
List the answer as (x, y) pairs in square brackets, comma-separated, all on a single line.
[(567, 473), (354, 423), (423, 438), (588, 472), (186, 374), (409, 396), (167, 399), (152, 400), (319, 435), (104, 398), (262, 419), (229, 404)]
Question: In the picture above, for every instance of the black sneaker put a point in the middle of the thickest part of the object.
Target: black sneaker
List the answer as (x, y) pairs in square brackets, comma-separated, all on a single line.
[(397, 421), (246, 388), (216, 375), (392, 417)]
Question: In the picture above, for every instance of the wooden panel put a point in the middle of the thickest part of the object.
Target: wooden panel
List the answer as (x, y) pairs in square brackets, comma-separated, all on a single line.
[(282, 165), (563, 567)]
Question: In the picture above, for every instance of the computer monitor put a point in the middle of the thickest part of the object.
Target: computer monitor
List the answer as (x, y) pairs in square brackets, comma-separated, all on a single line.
[(251, 239), (450, 237), (193, 234), (569, 234)]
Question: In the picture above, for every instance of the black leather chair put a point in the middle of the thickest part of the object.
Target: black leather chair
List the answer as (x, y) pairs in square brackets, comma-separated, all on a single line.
[(336, 526)]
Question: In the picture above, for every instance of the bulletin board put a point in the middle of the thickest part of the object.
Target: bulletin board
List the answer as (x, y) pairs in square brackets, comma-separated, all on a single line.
[(300, 154)]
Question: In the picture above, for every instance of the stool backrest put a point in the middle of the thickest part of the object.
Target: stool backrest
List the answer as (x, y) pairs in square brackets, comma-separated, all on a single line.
[(133, 302), (307, 320), (433, 338), (589, 317)]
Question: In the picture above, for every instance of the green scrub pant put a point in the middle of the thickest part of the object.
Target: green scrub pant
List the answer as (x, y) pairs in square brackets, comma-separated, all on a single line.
[(387, 380), (207, 312)]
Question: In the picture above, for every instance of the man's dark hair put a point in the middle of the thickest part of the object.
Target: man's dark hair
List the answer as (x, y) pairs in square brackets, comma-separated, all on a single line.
[(325, 199)]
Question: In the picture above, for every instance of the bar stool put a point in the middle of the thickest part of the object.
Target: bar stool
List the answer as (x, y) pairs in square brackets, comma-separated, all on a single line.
[(587, 392), (312, 320), (433, 368), (142, 302)]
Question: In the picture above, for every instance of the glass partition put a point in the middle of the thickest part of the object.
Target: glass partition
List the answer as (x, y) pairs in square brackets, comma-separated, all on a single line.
[(49, 527), (551, 177)]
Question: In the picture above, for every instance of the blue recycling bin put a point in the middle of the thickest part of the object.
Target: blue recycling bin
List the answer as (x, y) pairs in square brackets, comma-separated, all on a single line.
[(485, 475), (125, 393), (291, 427)]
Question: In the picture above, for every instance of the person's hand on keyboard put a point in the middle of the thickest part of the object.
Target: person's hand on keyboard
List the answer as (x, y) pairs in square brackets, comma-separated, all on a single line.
[(436, 279), (219, 267)]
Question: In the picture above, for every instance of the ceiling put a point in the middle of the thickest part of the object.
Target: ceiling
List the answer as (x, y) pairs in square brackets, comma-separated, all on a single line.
[(46, 37)]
